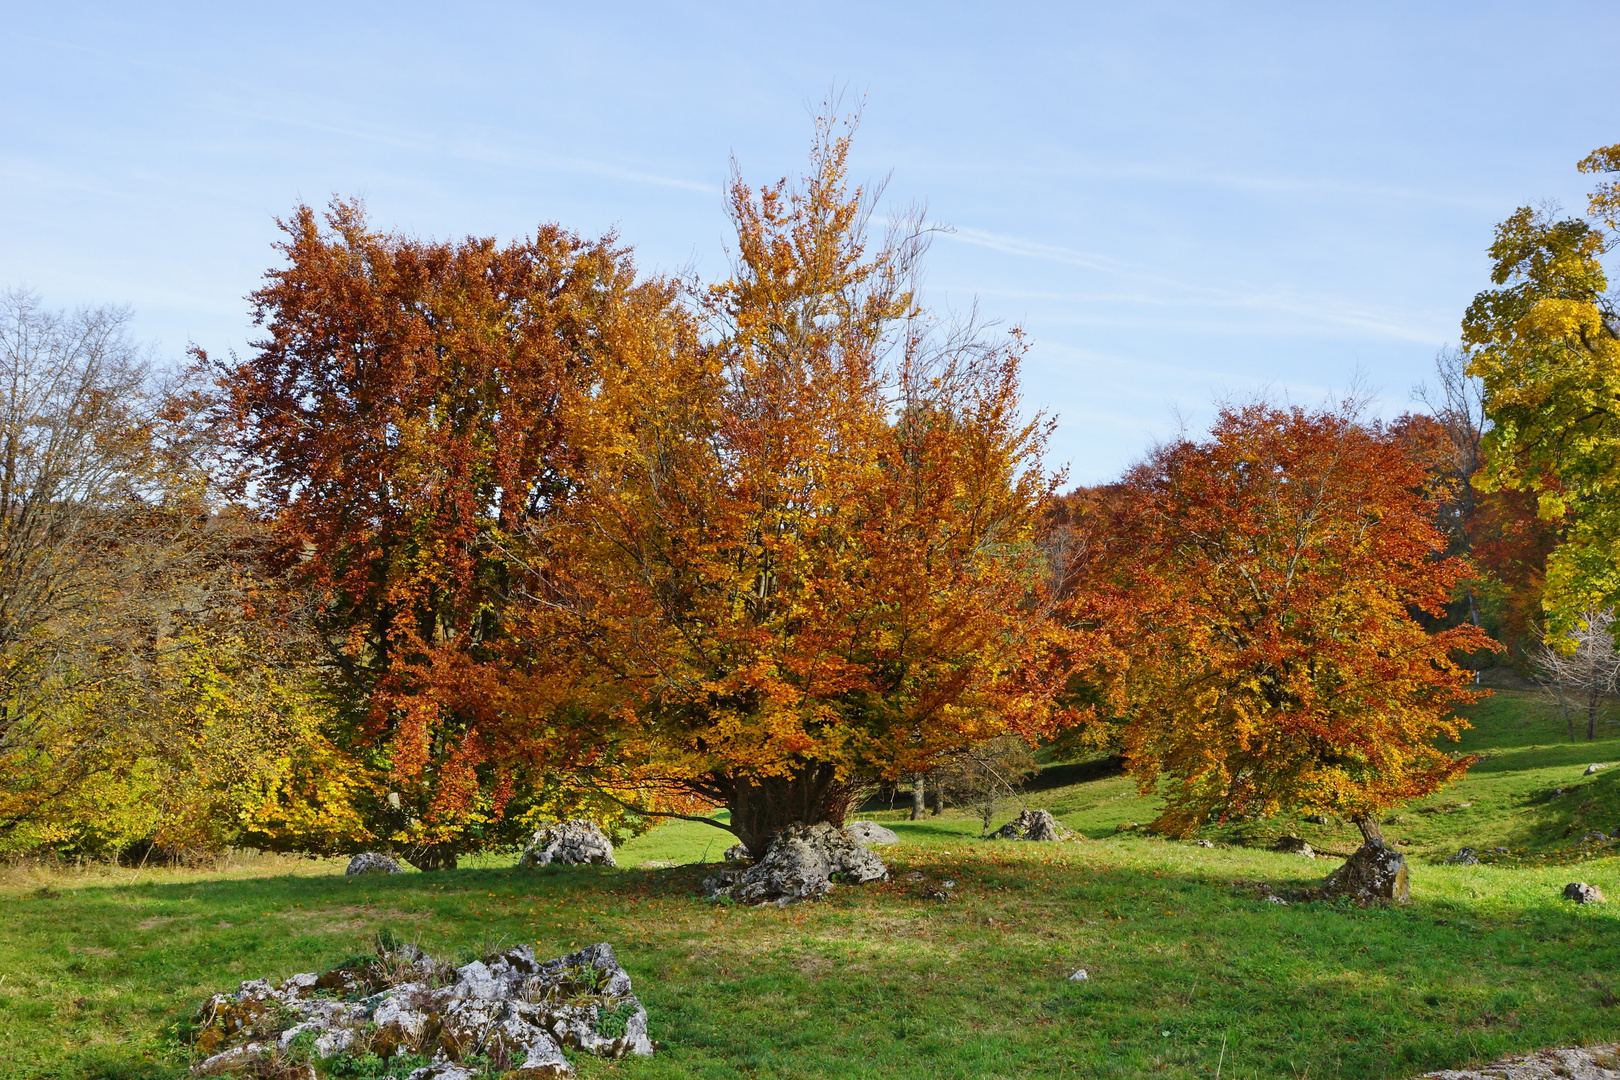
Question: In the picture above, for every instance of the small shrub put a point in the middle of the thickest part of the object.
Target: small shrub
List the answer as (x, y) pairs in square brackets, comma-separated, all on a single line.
[(613, 1025), (370, 1066)]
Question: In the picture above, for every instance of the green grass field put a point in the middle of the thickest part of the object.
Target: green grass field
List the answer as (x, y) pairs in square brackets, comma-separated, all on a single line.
[(1189, 972)]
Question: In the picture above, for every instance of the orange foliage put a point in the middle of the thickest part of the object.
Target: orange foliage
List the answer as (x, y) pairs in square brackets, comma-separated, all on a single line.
[(802, 557), (1258, 592)]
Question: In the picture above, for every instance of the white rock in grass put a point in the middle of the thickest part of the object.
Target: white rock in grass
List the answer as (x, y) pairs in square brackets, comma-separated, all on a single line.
[(508, 1006), (1582, 893), (799, 864), (445, 1070), (568, 843), (372, 862), (870, 832), (1566, 1063), (1080, 976), (1037, 825)]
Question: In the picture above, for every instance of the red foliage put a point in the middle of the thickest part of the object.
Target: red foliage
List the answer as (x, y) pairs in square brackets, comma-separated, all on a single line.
[(402, 419)]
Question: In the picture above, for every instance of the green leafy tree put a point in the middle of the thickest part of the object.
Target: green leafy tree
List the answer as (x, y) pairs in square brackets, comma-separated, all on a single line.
[(1546, 343)]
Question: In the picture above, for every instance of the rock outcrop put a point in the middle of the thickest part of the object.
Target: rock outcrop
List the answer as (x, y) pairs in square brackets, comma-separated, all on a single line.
[(1033, 825), (371, 862), (1375, 873), (515, 1012), (801, 863), (1464, 857), (870, 832), (568, 843), (736, 853), (1582, 893), (1293, 845), (1567, 1063)]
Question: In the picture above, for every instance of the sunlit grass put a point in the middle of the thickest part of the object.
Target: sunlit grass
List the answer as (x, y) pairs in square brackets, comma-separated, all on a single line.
[(883, 981)]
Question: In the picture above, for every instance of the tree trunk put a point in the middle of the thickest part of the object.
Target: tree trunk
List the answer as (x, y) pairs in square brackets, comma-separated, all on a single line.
[(919, 796), (1473, 617), (1563, 706), (426, 857), (1370, 831), (937, 801), (763, 806)]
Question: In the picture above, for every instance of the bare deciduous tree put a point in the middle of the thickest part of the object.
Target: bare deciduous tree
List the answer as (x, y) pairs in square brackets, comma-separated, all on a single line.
[(983, 776), (1458, 403), (102, 525), (1581, 671)]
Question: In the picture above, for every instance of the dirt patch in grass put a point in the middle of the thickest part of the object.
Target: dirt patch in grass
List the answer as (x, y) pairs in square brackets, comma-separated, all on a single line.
[(92, 950)]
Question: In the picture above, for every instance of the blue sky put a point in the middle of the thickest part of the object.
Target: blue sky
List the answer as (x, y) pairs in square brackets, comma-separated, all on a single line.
[(1178, 201)]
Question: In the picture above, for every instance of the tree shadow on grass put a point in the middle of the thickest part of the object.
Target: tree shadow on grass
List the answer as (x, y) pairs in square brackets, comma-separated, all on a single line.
[(875, 979)]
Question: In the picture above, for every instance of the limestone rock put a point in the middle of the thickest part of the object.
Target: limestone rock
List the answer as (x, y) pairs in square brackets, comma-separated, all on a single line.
[(1374, 873), (1582, 893), (1596, 767), (1204, 843), (1464, 857), (1033, 825), (444, 1071), (722, 882), (1568, 1063), (507, 1006), (870, 832), (799, 864), (1315, 819), (736, 853), (568, 843), (1293, 845), (1594, 837), (371, 862)]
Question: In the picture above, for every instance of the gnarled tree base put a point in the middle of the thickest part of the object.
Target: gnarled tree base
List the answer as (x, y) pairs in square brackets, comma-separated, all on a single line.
[(763, 806)]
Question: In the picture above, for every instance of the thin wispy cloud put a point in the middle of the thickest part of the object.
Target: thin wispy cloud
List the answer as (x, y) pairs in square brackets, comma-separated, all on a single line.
[(1168, 291), (500, 155)]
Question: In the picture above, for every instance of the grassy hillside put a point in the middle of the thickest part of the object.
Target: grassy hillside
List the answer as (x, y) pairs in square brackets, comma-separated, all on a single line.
[(883, 981)]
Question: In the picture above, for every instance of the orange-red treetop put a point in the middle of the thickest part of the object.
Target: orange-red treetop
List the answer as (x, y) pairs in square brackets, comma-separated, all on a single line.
[(1256, 591), (804, 556), (404, 412)]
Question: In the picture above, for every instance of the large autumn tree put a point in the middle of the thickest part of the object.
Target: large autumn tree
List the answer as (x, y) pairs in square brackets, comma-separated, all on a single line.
[(1258, 589), (801, 556), (1546, 342), (400, 423)]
